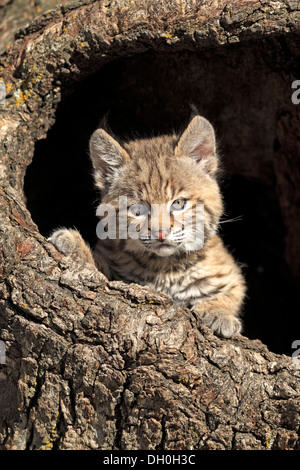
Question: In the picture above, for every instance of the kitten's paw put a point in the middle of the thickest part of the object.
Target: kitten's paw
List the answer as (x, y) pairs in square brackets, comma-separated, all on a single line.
[(65, 241), (70, 242), (222, 324)]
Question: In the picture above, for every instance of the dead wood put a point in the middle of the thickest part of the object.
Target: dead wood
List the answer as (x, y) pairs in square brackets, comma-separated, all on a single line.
[(98, 365)]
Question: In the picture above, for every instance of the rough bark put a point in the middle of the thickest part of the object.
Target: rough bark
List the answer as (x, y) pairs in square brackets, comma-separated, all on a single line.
[(98, 365), (15, 14)]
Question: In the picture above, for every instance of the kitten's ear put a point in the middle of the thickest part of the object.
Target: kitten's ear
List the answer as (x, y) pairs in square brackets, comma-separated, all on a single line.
[(198, 142), (107, 156)]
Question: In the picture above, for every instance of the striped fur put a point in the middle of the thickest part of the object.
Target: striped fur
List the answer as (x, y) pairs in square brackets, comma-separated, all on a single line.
[(159, 171)]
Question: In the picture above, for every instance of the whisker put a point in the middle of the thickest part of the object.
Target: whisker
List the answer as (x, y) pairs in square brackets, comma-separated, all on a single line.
[(235, 219)]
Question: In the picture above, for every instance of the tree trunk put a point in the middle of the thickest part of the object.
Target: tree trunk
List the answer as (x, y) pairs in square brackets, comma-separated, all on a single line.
[(92, 364), (14, 14)]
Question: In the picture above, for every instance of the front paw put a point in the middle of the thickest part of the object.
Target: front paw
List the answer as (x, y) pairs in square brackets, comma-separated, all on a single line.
[(222, 324), (65, 241), (70, 242)]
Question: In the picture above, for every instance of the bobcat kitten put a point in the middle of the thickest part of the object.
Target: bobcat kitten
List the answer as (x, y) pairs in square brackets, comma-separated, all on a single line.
[(174, 175)]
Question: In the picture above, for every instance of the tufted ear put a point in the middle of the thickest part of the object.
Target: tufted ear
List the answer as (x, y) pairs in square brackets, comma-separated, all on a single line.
[(107, 157), (198, 142)]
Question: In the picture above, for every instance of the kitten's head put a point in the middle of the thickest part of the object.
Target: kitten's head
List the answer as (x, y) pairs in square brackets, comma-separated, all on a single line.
[(164, 189)]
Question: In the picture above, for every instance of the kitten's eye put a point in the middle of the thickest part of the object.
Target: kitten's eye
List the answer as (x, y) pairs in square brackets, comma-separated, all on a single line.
[(139, 210), (178, 205)]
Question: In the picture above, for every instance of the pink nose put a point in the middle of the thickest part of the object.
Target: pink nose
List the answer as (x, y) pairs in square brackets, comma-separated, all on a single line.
[(161, 234)]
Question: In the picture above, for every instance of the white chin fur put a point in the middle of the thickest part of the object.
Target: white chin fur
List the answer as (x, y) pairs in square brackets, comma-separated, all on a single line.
[(164, 250)]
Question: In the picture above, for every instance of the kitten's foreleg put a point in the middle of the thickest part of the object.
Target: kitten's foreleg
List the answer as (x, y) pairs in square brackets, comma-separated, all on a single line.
[(70, 242), (221, 314)]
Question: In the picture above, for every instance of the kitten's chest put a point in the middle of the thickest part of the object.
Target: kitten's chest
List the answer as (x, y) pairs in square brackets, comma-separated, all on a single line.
[(186, 279), (180, 282), (184, 285)]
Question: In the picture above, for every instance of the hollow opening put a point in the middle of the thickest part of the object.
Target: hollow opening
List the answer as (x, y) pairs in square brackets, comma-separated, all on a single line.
[(245, 91)]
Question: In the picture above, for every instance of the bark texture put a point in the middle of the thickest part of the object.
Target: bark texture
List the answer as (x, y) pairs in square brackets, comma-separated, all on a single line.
[(14, 14), (98, 365)]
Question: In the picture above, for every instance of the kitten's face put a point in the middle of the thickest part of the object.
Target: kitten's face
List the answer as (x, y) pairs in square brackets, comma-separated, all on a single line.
[(164, 228), (170, 196)]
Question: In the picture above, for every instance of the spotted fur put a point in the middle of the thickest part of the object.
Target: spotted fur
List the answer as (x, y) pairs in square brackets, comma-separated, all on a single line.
[(170, 172)]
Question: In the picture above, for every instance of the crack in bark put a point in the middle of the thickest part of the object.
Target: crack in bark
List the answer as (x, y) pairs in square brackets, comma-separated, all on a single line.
[(162, 444), (32, 404), (120, 414)]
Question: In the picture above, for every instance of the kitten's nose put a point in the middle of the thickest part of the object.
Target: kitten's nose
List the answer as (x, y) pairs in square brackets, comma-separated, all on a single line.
[(160, 234)]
